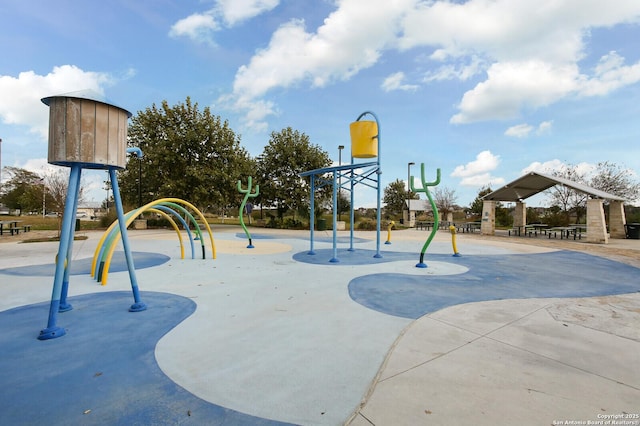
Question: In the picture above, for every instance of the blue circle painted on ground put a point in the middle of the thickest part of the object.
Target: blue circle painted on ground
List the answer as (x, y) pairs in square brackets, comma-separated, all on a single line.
[(141, 260), (516, 276)]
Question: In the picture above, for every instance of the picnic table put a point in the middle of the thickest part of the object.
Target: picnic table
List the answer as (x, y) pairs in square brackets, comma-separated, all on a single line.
[(424, 225), (468, 226), (567, 231), (531, 229), (9, 225)]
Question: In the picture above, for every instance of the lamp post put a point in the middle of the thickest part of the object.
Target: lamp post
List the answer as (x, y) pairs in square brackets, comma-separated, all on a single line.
[(340, 148), (139, 181), (409, 193)]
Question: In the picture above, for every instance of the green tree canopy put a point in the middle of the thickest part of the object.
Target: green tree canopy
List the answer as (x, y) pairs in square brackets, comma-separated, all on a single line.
[(188, 154), (476, 205), (288, 154), (395, 198), (23, 190)]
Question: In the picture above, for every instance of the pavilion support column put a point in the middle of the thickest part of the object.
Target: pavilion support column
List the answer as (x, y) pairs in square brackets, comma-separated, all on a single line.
[(450, 218), (596, 226), (617, 220), (488, 222), (520, 215)]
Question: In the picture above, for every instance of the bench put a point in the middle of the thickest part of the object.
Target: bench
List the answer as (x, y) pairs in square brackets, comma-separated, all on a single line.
[(26, 228)]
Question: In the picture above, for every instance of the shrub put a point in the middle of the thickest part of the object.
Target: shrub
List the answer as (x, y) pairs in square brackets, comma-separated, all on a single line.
[(366, 225)]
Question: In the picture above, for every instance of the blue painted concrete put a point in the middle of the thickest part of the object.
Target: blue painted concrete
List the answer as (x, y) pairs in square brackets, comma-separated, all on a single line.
[(321, 239), (356, 257), (103, 371), (515, 276), (83, 266)]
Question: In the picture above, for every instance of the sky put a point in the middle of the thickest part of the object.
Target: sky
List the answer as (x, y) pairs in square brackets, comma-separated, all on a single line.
[(485, 90)]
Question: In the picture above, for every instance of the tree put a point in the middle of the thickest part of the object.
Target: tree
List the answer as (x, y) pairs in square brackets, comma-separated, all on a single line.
[(395, 198), (615, 180), (568, 199), (188, 154), (445, 200), (607, 177), (288, 154), (476, 205), (24, 190), (57, 182), (21, 191)]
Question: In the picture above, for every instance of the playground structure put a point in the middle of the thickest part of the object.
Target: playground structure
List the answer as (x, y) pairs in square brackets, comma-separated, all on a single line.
[(434, 208), (247, 194), (365, 143), (85, 132), (169, 208)]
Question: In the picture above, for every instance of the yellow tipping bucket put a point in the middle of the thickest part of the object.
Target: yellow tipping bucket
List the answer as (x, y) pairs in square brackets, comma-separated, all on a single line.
[(364, 139)]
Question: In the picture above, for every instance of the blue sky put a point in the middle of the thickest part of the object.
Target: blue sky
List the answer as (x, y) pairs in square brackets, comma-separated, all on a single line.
[(485, 90)]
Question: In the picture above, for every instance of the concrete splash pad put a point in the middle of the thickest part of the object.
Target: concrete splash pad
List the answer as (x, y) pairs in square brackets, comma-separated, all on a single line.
[(276, 338)]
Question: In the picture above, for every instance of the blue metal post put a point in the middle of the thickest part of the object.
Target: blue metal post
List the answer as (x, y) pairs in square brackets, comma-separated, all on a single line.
[(52, 331), (312, 207), (378, 173), (138, 305), (352, 216), (335, 220)]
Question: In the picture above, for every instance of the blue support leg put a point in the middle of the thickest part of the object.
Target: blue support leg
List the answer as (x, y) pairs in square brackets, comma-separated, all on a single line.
[(52, 331), (64, 305), (138, 305)]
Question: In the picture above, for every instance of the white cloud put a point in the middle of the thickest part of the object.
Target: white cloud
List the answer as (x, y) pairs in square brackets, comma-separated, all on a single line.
[(235, 11), (455, 71), (484, 162), (200, 27), (528, 51), (395, 82), (477, 173), (555, 165), (351, 38), (523, 130), (510, 86), (20, 102), (610, 74), (544, 127), (519, 130), (548, 167)]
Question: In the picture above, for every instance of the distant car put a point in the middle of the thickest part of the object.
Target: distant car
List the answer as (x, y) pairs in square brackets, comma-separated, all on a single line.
[(51, 214), (81, 215)]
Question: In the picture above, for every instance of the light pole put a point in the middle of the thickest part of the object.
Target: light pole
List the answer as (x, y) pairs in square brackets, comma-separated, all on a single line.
[(409, 193), (340, 148), (44, 198)]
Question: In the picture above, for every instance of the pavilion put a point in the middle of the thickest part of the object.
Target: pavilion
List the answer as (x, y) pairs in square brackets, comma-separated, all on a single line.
[(533, 183)]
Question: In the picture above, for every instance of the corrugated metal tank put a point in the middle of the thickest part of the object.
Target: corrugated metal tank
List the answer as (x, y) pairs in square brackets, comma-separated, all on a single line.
[(86, 131)]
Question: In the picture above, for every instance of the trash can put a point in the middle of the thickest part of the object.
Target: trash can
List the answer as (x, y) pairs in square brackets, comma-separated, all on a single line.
[(77, 224), (633, 231), (322, 224)]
